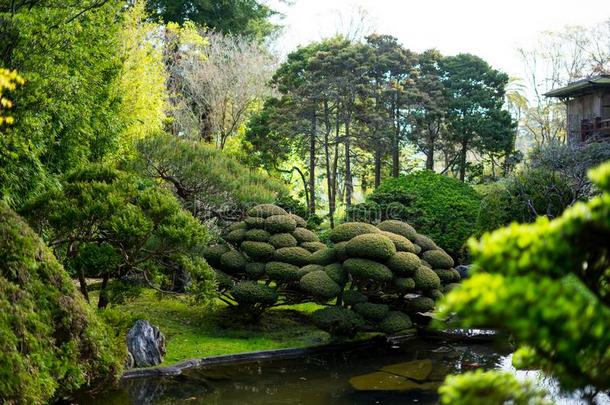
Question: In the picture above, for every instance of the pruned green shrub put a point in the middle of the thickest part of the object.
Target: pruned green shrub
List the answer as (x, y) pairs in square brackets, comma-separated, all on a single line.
[(255, 270), (438, 259), (434, 294), (255, 222), (309, 268), (237, 225), (320, 285), (323, 256), (371, 246), (280, 224), (353, 297), (233, 261), (266, 210), (401, 243), (305, 235), (257, 235), (213, 253), (338, 321), (251, 293), (346, 231), (426, 279), (395, 322), (259, 251), (282, 240), (313, 246), (404, 284), (372, 312), (337, 273), (404, 263), (424, 242), (301, 223), (282, 272), (236, 237), (340, 251), (398, 228), (448, 275), (223, 280), (293, 255), (364, 269), (420, 304)]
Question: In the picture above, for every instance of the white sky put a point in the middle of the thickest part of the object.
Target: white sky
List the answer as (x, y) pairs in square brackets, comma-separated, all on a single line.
[(490, 29)]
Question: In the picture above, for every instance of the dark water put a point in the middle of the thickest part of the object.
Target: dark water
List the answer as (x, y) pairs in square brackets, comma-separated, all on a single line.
[(408, 372)]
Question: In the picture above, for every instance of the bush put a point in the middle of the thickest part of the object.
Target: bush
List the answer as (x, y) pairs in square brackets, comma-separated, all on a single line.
[(404, 284), (448, 275), (346, 231), (257, 235), (371, 246), (434, 294), (372, 312), (438, 259), (282, 272), (340, 251), (398, 228), (236, 237), (280, 224), (282, 240), (426, 279), (251, 293), (304, 235), (320, 285), (337, 273), (293, 255), (323, 256), (420, 304), (395, 322), (404, 263), (255, 222), (401, 243), (338, 321), (423, 200), (233, 261), (353, 297), (255, 270), (368, 270), (213, 253), (309, 268), (313, 246), (223, 280), (266, 210), (51, 341), (258, 250), (424, 242)]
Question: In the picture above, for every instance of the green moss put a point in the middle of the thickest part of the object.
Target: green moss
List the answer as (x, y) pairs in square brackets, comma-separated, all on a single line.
[(426, 279), (364, 269), (257, 235), (213, 253), (313, 246), (251, 292), (236, 237), (346, 231), (280, 224), (255, 270), (320, 285), (435, 294), (353, 297), (420, 304), (259, 251), (300, 221), (338, 321), (323, 256), (372, 312), (401, 243), (305, 235), (371, 246), (399, 228), (438, 259), (309, 268), (232, 262), (404, 284), (51, 341), (293, 255), (340, 251), (447, 275), (337, 273), (395, 322), (404, 263), (282, 272), (255, 222), (424, 242), (266, 210), (282, 240)]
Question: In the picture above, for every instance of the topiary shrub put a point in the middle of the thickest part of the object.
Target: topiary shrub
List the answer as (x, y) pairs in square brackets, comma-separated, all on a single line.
[(371, 246), (368, 270), (398, 227), (213, 253), (320, 285), (420, 304), (337, 273), (280, 224), (255, 270), (257, 235), (255, 222), (305, 235), (434, 294), (266, 210), (372, 312), (51, 341), (293, 255), (338, 321), (309, 268), (447, 275), (340, 251), (233, 261), (282, 272), (282, 240), (236, 237), (438, 259), (395, 322), (404, 263), (313, 246), (323, 256), (259, 251), (253, 293), (346, 231), (424, 242), (404, 284), (401, 243), (426, 279)]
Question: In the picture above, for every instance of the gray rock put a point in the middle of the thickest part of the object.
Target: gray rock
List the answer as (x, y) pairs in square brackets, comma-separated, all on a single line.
[(146, 344), (463, 270)]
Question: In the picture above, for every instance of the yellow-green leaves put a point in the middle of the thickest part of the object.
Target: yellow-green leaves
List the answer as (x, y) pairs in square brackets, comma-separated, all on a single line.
[(9, 80)]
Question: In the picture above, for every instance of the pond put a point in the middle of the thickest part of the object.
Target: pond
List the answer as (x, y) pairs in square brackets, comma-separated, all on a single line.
[(408, 371)]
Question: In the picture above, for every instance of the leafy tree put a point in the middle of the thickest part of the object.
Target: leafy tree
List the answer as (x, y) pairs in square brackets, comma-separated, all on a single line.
[(51, 340), (9, 80), (238, 17), (546, 284), (113, 225)]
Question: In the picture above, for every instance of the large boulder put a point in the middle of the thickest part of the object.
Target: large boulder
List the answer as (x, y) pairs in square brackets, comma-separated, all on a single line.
[(146, 344)]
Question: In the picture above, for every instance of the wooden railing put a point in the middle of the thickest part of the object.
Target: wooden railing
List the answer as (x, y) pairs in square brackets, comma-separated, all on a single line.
[(594, 128)]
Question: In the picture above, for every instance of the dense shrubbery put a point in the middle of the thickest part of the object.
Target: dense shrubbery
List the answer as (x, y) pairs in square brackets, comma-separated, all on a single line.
[(547, 284), (445, 207), (106, 223), (51, 341)]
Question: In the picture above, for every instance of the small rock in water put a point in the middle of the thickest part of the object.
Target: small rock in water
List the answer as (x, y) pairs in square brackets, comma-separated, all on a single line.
[(146, 345)]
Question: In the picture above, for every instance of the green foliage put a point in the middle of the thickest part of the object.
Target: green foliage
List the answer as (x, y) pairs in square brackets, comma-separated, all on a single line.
[(281, 240), (236, 237), (404, 284), (255, 270), (425, 243), (337, 273), (486, 387), (258, 250), (353, 297), (447, 275), (293, 255), (252, 293), (51, 341), (309, 268), (282, 272), (546, 284), (401, 243), (398, 227), (338, 321), (426, 279), (280, 224), (233, 261), (313, 246), (304, 235), (346, 231), (266, 210), (395, 322), (404, 263), (438, 259), (213, 253), (371, 246), (320, 285), (367, 270), (420, 304), (257, 235), (323, 256), (370, 311)]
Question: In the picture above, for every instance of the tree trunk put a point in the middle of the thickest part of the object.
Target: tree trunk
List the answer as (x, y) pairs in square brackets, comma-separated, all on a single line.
[(463, 153), (80, 273), (377, 166), (329, 176), (396, 142), (349, 186), (430, 155), (103, 300), (312, 165)]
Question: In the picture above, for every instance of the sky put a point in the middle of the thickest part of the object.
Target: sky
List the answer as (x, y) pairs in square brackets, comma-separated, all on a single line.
[(491, 29)]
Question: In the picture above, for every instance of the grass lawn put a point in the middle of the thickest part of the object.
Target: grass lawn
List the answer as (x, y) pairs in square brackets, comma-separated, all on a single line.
[(192, 331)]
